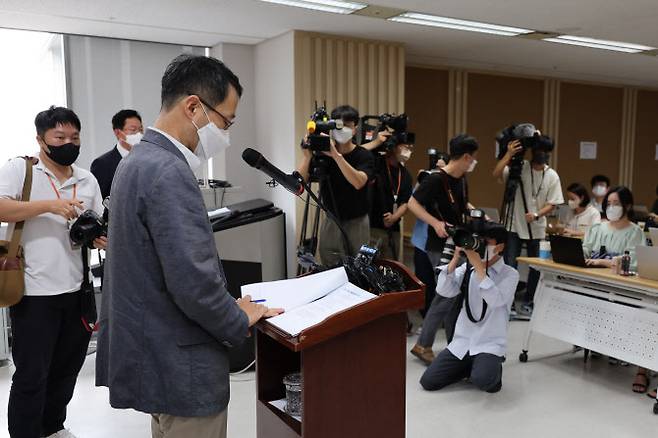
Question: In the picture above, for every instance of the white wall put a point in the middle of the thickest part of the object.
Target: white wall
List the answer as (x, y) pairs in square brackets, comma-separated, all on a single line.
[(107, 75), (275, 123), (240, 59), (265, 122)]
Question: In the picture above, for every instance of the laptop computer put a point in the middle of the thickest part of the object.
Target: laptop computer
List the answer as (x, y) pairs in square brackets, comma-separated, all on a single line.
[(567, 250), (647, 262)]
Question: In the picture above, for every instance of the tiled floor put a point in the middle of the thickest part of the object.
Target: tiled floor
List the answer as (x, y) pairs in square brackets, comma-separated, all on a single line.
[(553, 395)]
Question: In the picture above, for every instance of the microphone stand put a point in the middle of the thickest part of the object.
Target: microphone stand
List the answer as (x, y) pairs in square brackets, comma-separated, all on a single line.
[(330, 215)]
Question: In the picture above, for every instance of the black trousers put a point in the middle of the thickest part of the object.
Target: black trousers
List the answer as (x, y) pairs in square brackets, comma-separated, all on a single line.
[(49, 348), (485, 371), (425, 273), (513, 250)]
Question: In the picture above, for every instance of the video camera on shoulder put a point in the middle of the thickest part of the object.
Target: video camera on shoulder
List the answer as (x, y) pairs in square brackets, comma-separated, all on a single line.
[(320, 123), (395, 124), (529, 137)]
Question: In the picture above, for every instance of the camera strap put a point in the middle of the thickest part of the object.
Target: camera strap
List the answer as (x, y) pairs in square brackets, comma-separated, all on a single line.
[(532, 183), (88, 313), (464, 291), (396, 193), (451, 197)]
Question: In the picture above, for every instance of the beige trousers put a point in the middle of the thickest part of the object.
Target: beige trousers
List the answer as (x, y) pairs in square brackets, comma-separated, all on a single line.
[(169, 426), (331, 239), (387, 243)]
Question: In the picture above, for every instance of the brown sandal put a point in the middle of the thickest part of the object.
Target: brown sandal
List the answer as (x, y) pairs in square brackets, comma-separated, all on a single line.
[(652, 394), (641, 383)]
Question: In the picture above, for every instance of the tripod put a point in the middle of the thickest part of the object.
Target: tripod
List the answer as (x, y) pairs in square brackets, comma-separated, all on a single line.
[(509, 201), (308, 245)]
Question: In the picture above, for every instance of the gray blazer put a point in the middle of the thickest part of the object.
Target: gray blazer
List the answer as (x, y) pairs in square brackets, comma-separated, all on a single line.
[(166, 318)]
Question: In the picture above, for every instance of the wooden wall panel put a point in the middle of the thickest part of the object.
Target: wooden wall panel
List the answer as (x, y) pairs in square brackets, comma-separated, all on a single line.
[(426, 104), (495, 102), (645, 167), (590, 113), (369, 75)]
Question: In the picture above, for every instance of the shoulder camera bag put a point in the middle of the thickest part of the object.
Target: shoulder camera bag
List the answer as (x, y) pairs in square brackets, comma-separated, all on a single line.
[(12, 258)]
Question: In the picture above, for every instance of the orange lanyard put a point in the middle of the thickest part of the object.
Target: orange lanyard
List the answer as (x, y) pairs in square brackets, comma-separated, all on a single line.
[(59, 196), (390, 178)]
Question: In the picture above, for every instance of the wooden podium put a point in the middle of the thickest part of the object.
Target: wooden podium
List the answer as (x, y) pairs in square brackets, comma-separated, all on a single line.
[(353, 366)]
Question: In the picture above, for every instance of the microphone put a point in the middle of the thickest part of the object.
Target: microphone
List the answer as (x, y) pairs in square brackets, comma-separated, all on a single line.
[(323, 125), (257, 160)]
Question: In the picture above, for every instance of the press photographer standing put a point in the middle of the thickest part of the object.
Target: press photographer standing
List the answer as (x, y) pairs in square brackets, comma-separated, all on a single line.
[(538, 193), (49, 338), (391, 191), (345, 191), (441, 201)]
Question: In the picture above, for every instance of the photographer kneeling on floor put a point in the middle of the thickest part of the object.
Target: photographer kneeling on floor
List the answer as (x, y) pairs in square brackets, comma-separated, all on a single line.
[(487, 287)]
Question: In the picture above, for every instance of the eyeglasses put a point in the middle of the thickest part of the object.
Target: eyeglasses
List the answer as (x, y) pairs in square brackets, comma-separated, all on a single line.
[(228, 123)]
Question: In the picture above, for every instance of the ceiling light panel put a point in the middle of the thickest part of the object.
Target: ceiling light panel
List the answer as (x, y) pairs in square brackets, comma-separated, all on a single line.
[(593, 43), (335, 6), (453, 23)]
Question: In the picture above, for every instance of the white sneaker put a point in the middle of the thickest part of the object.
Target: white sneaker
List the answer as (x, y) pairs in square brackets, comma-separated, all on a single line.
[(64, 433)]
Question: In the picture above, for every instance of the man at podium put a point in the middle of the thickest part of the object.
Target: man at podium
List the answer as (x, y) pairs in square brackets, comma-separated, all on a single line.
[(486, 288)]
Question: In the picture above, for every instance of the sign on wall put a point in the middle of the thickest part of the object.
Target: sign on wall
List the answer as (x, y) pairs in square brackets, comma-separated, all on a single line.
[(588, 150)]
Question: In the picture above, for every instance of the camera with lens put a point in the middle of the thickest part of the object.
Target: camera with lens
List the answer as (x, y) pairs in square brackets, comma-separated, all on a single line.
[(471, 234), (364, 271), (319, 127), (89, 226), (395, 124), (529, 137)]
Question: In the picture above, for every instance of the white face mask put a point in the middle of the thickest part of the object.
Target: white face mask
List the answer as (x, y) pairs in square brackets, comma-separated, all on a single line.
[(491, 252), (614, 212), (342, 136), (573, 204), (599, 190), (133, 139), (212, 140), (471, 168)]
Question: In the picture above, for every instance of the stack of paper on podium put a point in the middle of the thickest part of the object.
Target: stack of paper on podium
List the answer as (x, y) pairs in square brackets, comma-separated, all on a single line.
[(307, 300)]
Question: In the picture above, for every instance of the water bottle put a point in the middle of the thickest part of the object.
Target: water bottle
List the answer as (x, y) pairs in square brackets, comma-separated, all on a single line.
[(626, 263), (545, 249)]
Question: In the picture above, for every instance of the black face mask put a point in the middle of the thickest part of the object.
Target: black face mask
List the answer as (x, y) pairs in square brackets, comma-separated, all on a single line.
[(540, 157), (64, 155)]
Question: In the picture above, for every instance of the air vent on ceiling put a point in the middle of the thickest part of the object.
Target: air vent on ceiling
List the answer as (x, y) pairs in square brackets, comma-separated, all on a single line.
[(375, 11)]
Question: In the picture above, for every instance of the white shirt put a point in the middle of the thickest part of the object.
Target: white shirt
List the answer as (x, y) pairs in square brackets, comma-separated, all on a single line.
[(52, 266), (122, 151), (541, 187), (584, 220), (596, 205), (497, 289), (192, 160)]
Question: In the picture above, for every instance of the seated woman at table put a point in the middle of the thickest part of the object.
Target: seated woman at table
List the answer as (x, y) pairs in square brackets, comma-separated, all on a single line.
[(582, 215), (617, 235)]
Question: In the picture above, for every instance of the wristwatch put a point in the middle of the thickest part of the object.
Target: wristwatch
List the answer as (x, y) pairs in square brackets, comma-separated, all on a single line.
[(536, 216)]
